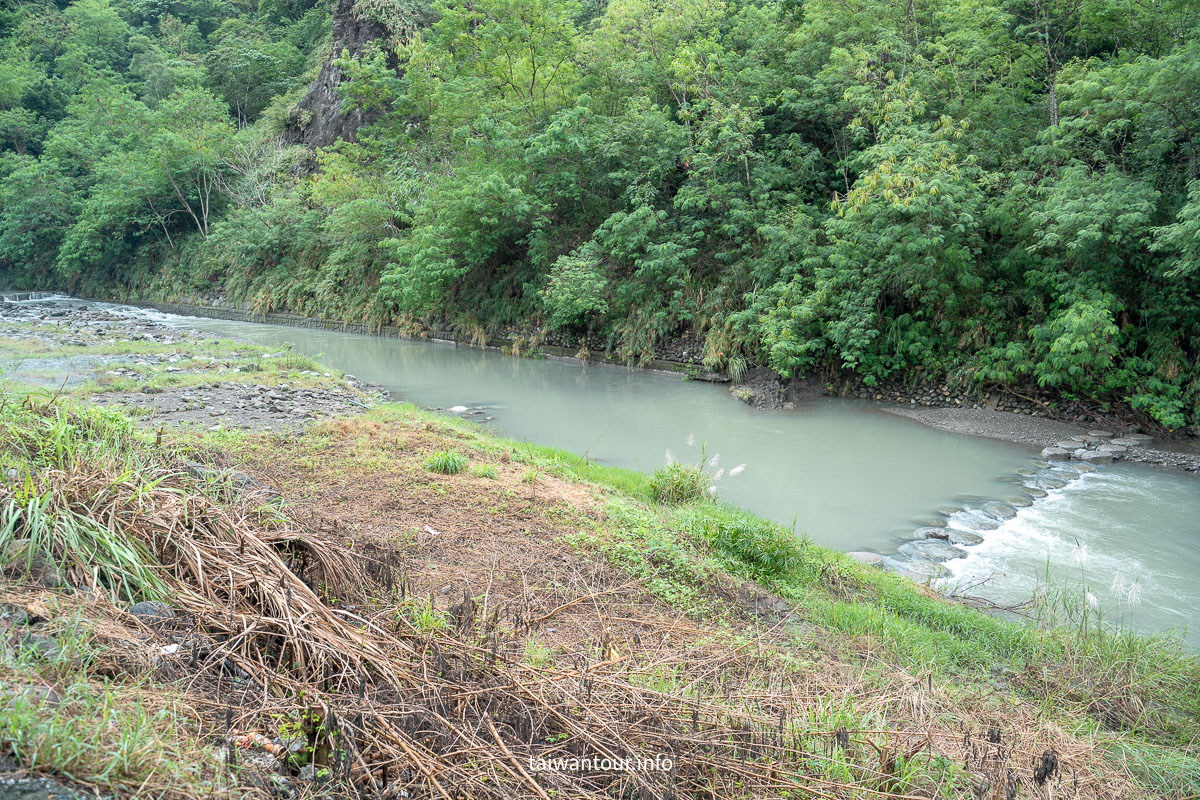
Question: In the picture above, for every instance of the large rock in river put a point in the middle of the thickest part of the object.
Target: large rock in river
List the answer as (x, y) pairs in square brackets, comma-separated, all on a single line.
[(932, 549)]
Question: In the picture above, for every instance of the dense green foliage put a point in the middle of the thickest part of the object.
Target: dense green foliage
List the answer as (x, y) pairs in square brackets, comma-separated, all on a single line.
[(1003, 191)]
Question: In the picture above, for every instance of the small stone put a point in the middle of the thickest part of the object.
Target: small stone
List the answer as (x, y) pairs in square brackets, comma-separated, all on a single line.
[(152, 611)]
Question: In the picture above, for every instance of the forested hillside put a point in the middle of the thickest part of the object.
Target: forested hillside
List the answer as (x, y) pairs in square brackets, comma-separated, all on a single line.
[(999, 191)]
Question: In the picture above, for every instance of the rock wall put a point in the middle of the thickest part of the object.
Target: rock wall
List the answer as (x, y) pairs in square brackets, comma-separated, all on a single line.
[(317, 120)]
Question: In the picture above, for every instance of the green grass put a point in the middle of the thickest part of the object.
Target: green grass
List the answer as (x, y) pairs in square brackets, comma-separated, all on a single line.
[(484, 471), (446, 462), (122, 736)]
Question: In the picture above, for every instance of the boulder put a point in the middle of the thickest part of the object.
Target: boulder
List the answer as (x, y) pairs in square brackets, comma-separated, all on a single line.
[(863, 557), (1100, 434), (999, 510), (931, 533), (965, 538), (1056, 454), (1096, 457), (1019, 501), (932, 549)]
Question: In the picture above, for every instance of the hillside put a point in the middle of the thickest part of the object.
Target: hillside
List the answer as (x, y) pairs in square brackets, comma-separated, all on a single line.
[(998, 193), (394, 603)]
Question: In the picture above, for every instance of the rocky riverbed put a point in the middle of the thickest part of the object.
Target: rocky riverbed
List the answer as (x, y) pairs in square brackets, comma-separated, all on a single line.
[(1066, 433), (1057, 440), (166, 374)]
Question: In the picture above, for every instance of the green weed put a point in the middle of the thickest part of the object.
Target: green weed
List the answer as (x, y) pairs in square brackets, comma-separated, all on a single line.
[(446, 462)]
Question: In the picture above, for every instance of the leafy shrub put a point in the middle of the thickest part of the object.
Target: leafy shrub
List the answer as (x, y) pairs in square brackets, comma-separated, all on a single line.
[(447, 462), (678, 483), (766, 548)]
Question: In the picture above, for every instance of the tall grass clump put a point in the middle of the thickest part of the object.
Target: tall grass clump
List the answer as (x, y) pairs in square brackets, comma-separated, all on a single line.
[(39, 527), (47, 525), (446, 462), (678, 483)]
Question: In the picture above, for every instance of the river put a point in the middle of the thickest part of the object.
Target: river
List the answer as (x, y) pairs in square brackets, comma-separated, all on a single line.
[(845, 474)]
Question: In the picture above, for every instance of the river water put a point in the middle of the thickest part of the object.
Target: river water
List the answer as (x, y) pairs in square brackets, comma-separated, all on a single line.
[(847, 475)]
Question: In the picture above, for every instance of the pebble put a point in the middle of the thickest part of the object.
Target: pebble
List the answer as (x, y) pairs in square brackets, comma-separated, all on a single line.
[(152, 611)]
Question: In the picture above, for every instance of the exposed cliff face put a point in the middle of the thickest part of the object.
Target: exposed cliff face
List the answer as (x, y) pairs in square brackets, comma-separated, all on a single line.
[(317, 120)]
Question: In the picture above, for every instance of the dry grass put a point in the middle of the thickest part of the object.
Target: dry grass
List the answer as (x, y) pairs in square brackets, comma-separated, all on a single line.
[(335, 616)]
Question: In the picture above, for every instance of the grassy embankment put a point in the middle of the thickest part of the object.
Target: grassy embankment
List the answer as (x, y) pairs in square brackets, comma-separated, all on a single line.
[(431, 606)]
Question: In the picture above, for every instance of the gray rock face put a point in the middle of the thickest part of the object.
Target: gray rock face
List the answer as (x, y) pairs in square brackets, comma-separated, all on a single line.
[(1019, 501), (317, 120), (1115, 449), (152, 611), (1125, 441), (1096, 457), (1056, 454)]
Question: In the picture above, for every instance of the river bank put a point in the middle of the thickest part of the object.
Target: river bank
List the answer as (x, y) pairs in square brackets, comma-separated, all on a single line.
[(1041, 421), (524, 604)]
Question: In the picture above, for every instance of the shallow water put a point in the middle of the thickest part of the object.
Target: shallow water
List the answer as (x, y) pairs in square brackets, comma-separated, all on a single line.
[(847, 475)]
